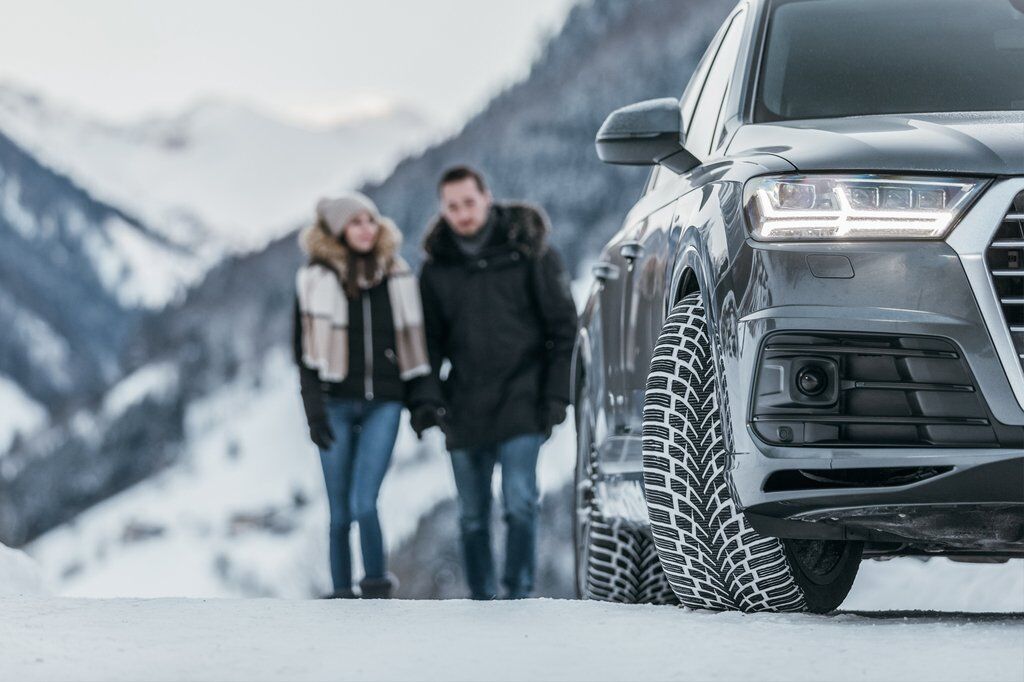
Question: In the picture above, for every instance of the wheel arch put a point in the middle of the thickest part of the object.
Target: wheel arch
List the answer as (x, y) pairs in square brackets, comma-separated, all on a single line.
[(686, 285), (581, 360)]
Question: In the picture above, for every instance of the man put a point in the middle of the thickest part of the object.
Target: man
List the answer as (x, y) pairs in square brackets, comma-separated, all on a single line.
[(497, 307)]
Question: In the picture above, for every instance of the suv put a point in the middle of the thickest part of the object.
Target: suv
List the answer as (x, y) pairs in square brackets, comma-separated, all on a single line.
[(804, 345)]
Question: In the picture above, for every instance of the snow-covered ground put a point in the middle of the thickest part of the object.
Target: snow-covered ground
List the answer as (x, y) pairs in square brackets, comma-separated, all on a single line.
[(19, 575), (458, 640), (244, 513)]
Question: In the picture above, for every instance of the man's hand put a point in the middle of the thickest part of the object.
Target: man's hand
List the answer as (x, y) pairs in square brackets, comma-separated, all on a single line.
[(321, 434), (552, 416), (426, 416)]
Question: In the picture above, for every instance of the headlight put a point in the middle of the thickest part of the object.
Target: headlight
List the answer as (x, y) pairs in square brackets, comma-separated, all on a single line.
[(848, 207)]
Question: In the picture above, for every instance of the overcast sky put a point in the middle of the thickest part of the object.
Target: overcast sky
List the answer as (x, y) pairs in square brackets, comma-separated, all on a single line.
[(315, 60)]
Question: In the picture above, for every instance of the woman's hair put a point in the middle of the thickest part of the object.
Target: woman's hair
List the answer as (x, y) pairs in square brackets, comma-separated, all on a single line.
[(358, 266)]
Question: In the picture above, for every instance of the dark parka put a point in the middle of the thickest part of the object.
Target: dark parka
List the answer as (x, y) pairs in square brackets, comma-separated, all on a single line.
[(506, 322)]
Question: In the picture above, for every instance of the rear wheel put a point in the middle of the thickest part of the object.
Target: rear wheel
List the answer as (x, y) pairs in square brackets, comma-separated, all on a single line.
[(614, 562), (712, 556)]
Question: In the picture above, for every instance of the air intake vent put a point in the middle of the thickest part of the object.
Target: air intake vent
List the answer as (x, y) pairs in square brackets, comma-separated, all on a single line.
[(826, 389), (1006, 264)]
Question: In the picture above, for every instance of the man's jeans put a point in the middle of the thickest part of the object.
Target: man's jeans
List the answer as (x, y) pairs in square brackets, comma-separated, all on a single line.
[(474, 469), (354, 468)]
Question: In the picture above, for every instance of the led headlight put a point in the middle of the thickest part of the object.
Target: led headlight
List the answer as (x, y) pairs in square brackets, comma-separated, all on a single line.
[(848, 207)]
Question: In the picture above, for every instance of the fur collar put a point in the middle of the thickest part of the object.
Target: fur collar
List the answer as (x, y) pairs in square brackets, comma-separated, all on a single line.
[(522, 227), (323, 249)]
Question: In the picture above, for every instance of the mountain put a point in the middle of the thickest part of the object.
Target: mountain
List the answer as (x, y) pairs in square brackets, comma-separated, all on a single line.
[(232, 329), (219, 177), (535, 140), (74, 271)]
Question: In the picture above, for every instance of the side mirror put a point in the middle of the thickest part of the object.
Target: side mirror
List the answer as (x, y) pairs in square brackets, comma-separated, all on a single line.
[(645, 134)]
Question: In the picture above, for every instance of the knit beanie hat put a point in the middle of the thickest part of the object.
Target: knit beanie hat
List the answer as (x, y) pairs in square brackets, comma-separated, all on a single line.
[(337, 213)]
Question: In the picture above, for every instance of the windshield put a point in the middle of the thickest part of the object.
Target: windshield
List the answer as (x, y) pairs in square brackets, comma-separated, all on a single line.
[(829, 58)]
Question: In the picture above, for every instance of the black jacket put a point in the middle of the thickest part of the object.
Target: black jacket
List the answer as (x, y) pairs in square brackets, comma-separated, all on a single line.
[(373, 375), (505, 320)]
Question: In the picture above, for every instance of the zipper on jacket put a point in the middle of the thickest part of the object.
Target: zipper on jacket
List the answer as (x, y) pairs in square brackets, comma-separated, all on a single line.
[(367, 347)]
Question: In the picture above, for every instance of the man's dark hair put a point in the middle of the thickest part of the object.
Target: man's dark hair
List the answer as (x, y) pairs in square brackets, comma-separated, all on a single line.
[(460, 173)]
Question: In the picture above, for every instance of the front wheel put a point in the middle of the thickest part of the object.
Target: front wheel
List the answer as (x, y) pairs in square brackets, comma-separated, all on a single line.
[(712, 556)]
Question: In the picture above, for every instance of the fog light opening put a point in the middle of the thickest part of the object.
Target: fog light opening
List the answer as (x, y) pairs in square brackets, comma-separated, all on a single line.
[(812, 381)]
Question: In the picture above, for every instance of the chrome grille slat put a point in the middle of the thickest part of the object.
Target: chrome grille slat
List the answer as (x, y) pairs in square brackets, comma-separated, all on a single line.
[(1005, 260)]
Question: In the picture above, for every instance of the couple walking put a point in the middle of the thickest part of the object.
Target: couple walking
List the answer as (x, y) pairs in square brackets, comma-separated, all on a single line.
[(493, 307)]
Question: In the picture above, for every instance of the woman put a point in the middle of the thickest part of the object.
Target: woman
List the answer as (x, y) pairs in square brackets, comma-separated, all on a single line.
[(361, 351)]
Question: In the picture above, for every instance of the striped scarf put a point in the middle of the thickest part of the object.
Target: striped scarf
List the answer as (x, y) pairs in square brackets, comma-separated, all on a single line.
[(323, 308)]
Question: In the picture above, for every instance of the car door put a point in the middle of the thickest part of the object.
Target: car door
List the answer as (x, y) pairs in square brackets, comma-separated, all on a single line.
[(645, 264), (611, 273)]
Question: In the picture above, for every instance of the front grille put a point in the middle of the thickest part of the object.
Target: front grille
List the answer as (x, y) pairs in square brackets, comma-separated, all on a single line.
[(879, 390), (1005, 259)]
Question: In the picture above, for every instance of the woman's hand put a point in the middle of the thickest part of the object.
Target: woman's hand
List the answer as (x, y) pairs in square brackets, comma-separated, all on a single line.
[(321, 434)]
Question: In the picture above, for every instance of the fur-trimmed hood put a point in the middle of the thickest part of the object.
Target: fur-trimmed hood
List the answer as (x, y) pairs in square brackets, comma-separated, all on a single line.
[(324, 249), (520, 226)]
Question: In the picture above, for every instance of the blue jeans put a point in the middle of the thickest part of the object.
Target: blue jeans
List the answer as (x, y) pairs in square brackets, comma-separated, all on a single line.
[(474, 469), (354, 469)]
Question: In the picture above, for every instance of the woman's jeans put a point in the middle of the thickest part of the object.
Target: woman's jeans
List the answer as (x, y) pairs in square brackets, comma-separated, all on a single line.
[(474, 469), (354, 468)]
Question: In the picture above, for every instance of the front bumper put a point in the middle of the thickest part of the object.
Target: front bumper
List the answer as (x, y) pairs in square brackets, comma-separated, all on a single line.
[(974, 499)]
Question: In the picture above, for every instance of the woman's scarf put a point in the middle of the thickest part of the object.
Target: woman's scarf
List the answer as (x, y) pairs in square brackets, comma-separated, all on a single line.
[(323, 305)]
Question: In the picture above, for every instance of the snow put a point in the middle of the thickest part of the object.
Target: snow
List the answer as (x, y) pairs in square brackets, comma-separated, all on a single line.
[(244, 513), (47, 350), (18, 413), (156, 381), (139, 270), (938, 585), (23, 222), (45, 639), (19, 575)]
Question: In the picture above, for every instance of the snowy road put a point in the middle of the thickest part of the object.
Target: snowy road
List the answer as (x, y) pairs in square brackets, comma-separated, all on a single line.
[(63, 639)]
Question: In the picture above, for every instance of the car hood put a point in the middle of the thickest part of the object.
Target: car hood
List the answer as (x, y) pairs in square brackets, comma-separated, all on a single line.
[(983, 143)]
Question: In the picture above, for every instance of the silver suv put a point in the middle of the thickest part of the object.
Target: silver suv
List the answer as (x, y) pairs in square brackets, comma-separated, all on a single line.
[(804, 346)]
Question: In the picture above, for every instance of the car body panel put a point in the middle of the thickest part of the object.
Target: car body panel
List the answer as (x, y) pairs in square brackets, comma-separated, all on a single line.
[(983, 143)]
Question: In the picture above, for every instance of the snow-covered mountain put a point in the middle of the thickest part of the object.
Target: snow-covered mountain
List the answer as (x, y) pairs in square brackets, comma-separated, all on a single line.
[(218, 177), (74, 272)]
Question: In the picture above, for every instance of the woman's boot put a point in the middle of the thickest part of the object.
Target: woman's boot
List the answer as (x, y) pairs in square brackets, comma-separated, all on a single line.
[(378, 588), (341, 594)]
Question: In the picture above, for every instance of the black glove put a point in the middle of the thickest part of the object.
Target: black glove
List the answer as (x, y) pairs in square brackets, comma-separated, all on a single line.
[(321, 434), (552, 415), (426, 416)]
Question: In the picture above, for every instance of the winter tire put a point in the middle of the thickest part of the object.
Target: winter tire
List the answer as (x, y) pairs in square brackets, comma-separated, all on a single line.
[(711, 555), (613, 562)]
